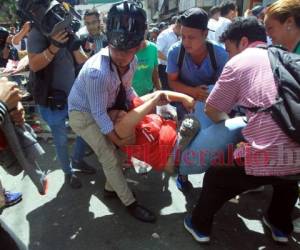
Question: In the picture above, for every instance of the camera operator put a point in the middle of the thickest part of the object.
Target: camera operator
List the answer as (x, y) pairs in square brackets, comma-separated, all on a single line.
[(55, 57)]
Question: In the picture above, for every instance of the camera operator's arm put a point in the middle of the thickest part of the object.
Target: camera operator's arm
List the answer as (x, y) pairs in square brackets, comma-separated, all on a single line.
[(80, 56), (38, 61)]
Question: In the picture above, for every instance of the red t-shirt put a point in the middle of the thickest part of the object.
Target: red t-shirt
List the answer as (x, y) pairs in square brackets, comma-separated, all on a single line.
[(155, 140)]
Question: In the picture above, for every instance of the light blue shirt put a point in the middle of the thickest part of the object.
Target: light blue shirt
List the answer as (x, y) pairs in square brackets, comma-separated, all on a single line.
[(192, 74), (97, 86)]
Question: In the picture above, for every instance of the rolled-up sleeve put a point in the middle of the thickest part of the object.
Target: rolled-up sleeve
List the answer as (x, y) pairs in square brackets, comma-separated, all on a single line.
[(97, 86)]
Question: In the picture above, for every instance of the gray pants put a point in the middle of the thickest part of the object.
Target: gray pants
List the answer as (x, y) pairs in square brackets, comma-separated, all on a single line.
[(110, 158)]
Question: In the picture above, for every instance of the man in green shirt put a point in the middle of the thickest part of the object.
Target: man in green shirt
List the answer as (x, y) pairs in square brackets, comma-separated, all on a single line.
[(146, 76)]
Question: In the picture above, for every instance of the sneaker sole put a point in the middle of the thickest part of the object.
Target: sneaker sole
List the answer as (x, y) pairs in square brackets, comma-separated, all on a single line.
[(204, 240), (13, 203), (277, 239)]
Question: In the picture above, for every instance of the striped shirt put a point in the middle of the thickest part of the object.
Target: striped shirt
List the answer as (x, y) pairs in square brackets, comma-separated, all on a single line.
[(247, 80), (96, 88), (3, 112)]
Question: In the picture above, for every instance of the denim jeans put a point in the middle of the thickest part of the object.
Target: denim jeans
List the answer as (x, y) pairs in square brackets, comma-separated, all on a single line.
[(56, 120), (212, 145)]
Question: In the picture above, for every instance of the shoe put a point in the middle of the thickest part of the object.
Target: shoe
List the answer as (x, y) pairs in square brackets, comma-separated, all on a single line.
[(83, 167), (141, 213), (73, 181), (183, 184), (198, 236), (296, 224), (189, 128), (277, 235), (12, 198)]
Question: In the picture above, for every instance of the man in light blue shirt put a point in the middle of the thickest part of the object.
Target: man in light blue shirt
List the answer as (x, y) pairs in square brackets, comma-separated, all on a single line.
[(104, 83), (194, 65)]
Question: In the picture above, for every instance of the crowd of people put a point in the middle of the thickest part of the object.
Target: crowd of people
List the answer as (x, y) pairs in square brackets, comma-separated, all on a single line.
[(214, 68)]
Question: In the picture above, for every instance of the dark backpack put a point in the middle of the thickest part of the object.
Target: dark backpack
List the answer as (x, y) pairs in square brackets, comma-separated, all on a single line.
[(212, 57), (286, 109)]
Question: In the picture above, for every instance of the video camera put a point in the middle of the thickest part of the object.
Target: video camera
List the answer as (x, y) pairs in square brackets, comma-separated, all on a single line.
[(51, 16)]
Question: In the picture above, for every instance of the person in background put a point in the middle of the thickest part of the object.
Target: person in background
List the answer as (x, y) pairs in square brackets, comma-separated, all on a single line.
[(146, 77), (92, 34), (164, 41), (19, 40), (282, 21), (214, 15), (153, 34), (7, 51), (228, 10)]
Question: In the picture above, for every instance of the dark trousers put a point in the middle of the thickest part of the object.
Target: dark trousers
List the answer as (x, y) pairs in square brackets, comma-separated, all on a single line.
[(221, 184), (6, 241), (163, 76)]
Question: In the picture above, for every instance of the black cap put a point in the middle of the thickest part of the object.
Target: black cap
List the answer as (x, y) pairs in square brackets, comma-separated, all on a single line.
[(257, 10), (195, 18)]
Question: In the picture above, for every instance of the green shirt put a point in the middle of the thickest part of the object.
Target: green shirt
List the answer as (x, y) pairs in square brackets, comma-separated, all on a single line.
[(297, 49), (147, 61)]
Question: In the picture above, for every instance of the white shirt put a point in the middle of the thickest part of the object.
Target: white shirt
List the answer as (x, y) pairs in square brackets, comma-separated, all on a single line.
[(212, 26), (18, 46), (222, 26), (164, 41)]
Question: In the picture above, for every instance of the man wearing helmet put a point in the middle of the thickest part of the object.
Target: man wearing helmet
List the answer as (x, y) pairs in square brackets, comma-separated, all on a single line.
[(104, 83)]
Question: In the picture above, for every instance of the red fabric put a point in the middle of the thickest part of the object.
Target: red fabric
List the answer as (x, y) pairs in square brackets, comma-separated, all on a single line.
[(3, 142), (155, 140)]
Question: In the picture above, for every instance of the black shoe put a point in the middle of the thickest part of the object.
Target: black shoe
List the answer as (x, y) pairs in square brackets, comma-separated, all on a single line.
[(73, 181), (141, 213), (83, 167), (112, 194)]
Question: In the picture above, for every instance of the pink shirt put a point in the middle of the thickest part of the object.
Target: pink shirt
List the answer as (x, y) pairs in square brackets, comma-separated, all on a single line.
[(247, 80)]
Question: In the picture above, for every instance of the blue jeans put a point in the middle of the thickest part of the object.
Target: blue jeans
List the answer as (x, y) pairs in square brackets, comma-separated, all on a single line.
[(56, 120), (213, 145)]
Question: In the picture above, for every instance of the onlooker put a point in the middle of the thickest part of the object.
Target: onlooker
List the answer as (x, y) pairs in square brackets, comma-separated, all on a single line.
[(153, 34), (6, 50), (282, 22), (228, 11), (164, 41), (201, 65), (248, 83), (146, 75), (53, 74), (93, 33), (19, 40), (214, 15), (103, 83)]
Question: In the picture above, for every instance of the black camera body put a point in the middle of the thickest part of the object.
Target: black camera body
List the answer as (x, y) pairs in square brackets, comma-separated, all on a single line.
[(51, 17)]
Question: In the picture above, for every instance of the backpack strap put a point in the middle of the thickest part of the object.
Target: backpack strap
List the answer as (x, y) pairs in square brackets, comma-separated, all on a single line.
[(212, 56), (180, 58)]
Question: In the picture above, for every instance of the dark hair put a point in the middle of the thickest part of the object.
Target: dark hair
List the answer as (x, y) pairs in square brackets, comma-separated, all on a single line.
[(226, 7), (248, 27), (214, 10), (174, 19), (92, 12)]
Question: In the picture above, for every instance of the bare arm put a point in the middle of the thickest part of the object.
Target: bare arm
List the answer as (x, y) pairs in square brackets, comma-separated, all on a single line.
[(214, 114), (41, 60), (80, 56), (155, 78), (161, 56), (20, 35)]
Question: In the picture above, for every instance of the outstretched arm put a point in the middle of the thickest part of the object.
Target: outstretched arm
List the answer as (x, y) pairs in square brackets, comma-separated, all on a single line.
[(125, 125)]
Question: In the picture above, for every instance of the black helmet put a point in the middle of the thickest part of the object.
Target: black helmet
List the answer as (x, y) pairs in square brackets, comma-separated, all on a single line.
[(3, 36), (126, 25)]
